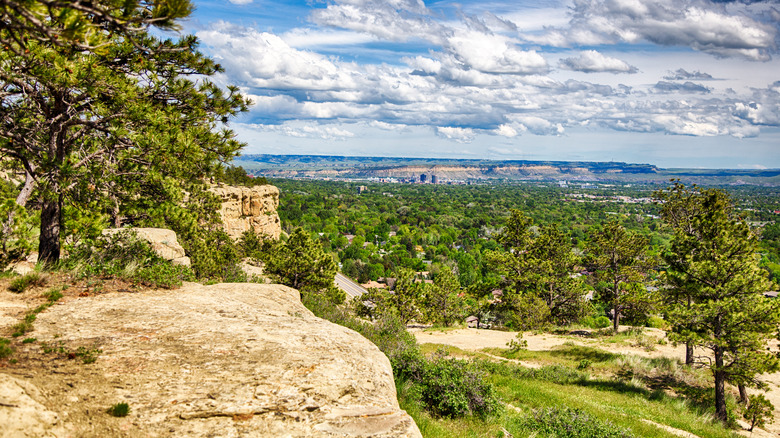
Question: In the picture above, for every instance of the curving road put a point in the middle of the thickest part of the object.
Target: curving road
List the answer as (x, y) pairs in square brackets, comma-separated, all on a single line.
[(349, 286)]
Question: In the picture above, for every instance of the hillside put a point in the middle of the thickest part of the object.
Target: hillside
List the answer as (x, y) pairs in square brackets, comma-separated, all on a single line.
[(462, 170)]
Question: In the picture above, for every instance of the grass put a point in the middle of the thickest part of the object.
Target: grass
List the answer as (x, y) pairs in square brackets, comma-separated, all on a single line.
[(5, 348), (443, 329), (618, 392), (26, 325), (26, 281)]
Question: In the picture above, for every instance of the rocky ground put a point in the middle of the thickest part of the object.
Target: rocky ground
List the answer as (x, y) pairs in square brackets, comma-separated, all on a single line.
[(225, 360)]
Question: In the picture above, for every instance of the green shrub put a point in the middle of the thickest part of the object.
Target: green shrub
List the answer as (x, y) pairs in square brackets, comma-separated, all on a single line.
[(656, 322), (517, 344), (571, 423), (23, 327), (5, 348), (31, 279), (214, 255), (124, 255), (20, 240), (453, 388), (759, 411), (446, 387), (54, 294), (164, 275), (119, 410), (596, 322), (87, 355), (110, 255)]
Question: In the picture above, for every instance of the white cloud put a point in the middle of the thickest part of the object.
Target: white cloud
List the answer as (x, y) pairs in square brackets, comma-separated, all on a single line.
[(389, 20), (591, 61), (698, 24), (682, 74), (491, 53), (460, 135), (506, 130), (240, 2), (316, 38)]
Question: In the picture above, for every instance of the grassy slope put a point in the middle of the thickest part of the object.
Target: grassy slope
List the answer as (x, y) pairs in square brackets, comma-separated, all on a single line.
[(615, 388)]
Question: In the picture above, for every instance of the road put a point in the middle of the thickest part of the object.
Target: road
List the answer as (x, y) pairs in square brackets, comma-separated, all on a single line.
[(350, 287)]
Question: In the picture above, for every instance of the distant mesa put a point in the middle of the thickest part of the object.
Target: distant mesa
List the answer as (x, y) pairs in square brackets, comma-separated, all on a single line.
[(452, 171)]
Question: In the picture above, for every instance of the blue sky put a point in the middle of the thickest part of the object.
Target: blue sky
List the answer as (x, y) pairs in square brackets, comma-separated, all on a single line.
[(676, 83)]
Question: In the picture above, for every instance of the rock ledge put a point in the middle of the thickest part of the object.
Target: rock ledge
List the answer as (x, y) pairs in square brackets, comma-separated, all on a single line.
[(228, 360)]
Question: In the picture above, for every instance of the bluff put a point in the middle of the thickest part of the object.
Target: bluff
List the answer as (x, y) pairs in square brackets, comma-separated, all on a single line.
[(249, 208), (225, 360)]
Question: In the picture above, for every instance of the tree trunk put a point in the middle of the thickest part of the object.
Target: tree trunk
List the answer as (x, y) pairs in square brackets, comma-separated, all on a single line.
[(616, 320), (689, 344), (688, 353), (743, 396), (720, 386), (615, 308), (49, 241)]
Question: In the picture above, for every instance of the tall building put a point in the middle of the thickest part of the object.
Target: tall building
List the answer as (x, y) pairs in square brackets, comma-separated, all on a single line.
[(434, 180), (422, 178)]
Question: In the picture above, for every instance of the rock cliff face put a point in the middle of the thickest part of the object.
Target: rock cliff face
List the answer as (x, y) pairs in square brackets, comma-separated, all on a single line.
[(226, 360), (245, 208)]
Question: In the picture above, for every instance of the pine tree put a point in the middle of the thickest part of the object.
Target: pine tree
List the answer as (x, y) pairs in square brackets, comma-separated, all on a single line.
[(712, 258), (96, 108), (302, 264), (442, 303), (538, 266), (406, 293), (619, 259)]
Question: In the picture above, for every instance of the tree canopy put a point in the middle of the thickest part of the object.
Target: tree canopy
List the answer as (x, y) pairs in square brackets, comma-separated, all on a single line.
[(712, 261), (99, 113)]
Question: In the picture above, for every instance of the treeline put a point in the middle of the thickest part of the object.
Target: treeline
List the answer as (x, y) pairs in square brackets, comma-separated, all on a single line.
[(688, 262)]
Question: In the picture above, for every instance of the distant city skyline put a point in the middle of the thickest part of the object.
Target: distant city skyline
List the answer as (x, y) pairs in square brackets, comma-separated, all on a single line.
[(685, 83)]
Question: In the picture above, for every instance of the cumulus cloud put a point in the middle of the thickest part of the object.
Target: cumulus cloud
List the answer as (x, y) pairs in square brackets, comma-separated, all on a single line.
[(491, 53), (698, 24), (395, 20), (681, 74), (591, 61), (322, 132), (460, 135), (476, 78), (674, 87)]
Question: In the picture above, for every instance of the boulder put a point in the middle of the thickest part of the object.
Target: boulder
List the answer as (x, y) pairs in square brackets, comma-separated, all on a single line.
[(249, 208), (162, 241), (225, 360)]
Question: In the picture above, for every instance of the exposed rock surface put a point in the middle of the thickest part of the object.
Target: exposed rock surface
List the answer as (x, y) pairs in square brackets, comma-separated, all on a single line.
[(226, 360), (162, 241), (245, 208), (21, 415)]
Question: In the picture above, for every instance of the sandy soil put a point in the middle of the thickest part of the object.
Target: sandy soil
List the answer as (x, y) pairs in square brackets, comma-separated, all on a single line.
[(471, 339)]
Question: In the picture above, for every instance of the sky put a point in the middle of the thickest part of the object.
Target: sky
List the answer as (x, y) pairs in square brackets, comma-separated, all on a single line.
[(675, 83)]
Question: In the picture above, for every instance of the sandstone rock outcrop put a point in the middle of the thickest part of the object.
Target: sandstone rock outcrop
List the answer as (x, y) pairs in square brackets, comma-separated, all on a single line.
[(226, 360), (21, 415), (162, 241), (249, 208)]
